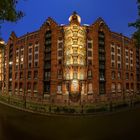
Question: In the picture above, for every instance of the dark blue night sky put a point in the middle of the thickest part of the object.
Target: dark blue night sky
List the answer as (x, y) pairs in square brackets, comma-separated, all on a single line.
[(116, 13)]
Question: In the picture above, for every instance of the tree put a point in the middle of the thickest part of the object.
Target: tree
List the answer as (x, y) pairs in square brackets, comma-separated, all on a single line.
[(136, 24), (8, 11)]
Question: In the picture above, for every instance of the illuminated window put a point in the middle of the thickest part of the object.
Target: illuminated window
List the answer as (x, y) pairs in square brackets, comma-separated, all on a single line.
[(75, 75), (75, 60), (81, 76), (113, 88), (89, 73), (119, 87), (67, 76)]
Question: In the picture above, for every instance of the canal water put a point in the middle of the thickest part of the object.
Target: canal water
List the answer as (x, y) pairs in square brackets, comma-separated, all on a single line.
[(18, 125)]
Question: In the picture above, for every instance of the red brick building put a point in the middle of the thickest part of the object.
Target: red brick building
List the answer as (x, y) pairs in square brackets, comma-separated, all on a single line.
[(71, 63)]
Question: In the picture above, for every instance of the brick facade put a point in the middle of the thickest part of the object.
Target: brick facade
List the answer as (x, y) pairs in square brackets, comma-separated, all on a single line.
[(36, 64)]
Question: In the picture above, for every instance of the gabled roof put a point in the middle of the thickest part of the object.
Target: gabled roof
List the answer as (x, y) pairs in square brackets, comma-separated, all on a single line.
[(50, 21), (100, 21)]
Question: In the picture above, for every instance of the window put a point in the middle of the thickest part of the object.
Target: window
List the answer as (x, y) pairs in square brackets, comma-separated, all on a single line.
[(29, 86), (75, 75), (36, 56), (126, 53), (67, 76), (30, 50), (132, 76), (113, 75), (35, 74), (60, 61), (127, 67), (21, 66), (119, 58), (16, 75), (89, 62), (119, 51), (59, 74), (131, 61), (119, 75), (89, 45), (29, 65), (21, 74), (119, 66), (75, 60), (30, 57), (102, 76), (36, 49), (60, 45), (16, 85), (113, 87), (29, 74), (89, 53), (113, 64), (127, 86), (59, 88), (35, 86), (20, 86), (102, 87), (132, 86), (60, 53), (89, 73), (46, 88), (126, 60), (112, 57), (127, 76), (119, 87), (36, 64), (47, 75), (112, 49)]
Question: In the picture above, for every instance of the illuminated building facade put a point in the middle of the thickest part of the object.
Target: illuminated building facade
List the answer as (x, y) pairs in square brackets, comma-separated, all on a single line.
[(2, 48), (71, 63)]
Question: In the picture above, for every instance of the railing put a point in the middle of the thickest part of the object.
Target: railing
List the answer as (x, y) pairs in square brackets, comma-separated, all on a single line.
[(44, 106)]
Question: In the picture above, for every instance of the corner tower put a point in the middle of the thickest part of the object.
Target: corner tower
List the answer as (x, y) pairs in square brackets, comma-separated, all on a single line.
[(74, 57)]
